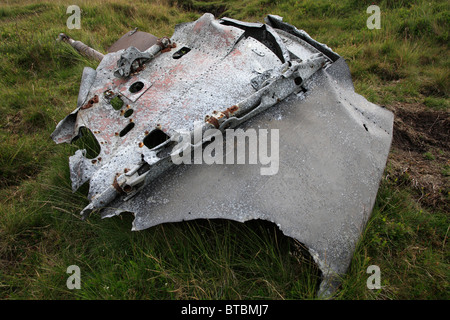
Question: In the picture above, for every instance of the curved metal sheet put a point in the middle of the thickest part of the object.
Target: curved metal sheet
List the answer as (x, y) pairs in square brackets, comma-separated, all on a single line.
[(332, 150)]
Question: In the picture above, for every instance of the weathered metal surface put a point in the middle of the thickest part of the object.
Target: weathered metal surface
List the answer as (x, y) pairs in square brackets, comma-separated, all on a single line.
[(132, 60), (226, 74), (81, 47)]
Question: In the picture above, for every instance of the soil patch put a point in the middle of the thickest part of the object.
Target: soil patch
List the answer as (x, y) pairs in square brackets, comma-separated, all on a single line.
[(420, 153)]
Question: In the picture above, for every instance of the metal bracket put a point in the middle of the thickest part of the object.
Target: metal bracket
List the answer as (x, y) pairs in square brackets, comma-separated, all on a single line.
[(126, 64), (132, 59)]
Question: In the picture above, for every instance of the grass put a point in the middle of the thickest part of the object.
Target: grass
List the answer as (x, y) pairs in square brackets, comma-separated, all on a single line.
[(406, 61)]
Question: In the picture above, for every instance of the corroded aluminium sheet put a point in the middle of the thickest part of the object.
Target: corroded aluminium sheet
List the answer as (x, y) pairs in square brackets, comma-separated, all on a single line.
[(333, 143), (333, 149)]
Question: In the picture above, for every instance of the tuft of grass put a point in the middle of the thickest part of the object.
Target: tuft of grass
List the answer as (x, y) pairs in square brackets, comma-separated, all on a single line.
[(428, 155), (446, 171), (408, 243)]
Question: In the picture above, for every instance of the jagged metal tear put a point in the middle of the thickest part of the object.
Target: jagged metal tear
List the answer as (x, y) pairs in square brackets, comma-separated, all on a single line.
[(333, 150)]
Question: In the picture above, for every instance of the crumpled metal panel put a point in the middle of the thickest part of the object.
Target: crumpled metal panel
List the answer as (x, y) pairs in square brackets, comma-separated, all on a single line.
[(333, 142)]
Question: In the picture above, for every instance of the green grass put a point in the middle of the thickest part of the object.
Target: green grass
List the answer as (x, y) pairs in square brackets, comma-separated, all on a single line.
[(41, 234)]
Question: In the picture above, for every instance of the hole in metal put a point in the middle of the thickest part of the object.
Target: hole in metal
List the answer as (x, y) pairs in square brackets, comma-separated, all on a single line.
[(298, 81), (86, 140), (116, 103), (181, 52), (155, 138), (128, 113), (136, 87), (126, 129)]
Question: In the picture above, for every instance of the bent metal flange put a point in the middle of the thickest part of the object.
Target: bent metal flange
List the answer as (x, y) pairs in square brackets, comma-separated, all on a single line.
[(333, 143)]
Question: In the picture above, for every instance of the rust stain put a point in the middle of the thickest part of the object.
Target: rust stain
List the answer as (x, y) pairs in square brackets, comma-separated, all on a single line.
[(138, 69), (90, 103), (108, 93), (169, 47), (116, 185), (230, 111), (213, 121)]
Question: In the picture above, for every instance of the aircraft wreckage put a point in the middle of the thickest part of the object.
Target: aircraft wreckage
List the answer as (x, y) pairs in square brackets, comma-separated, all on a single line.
[(148, 94)]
